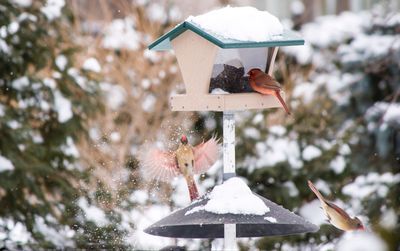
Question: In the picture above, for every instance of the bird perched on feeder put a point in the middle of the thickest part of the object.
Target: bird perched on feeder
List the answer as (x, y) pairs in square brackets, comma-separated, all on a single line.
[(337, 216), (263, 83), (186, 160)]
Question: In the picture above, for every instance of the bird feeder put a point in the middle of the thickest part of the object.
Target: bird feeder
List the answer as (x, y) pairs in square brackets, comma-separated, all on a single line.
[(209, 61)]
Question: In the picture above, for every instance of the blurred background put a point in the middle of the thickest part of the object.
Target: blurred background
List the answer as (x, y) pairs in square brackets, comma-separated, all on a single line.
[(80, 94)]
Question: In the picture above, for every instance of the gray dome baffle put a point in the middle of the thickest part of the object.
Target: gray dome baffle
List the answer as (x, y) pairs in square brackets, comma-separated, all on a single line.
[(203, 224)]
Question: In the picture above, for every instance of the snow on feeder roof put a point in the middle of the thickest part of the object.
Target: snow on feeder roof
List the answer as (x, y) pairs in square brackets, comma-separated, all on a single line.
[(217, 49), (253, 215)]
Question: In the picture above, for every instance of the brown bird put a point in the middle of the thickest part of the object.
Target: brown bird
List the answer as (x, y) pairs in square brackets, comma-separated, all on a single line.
[(185, 160), (337, 216), (263, 83)]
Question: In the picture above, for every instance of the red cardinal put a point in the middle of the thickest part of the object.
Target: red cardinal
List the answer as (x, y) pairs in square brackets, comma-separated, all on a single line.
[(265, 84), (186, 160), (337, 216)]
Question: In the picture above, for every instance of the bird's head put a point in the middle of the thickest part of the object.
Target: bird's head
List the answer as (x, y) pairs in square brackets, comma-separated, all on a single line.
[(359, 224), (254, 72), (184, 140)]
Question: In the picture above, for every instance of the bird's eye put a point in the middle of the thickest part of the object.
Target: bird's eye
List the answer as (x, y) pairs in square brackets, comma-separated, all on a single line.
[(186, 164)]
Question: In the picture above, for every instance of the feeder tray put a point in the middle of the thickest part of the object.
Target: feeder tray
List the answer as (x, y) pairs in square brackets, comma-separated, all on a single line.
[(203, 224)]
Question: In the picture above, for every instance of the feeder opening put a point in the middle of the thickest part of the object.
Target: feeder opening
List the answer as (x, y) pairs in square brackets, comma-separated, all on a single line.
[(229, 73)]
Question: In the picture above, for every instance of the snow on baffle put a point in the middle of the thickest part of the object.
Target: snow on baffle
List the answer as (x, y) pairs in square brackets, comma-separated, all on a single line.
[(217, 49), (231, 203)]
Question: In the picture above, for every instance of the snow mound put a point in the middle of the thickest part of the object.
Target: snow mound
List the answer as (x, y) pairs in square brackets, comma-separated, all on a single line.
[(234, 197), (240, 23)]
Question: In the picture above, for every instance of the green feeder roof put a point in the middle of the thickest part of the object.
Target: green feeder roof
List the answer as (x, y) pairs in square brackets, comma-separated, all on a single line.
[(163, 43)]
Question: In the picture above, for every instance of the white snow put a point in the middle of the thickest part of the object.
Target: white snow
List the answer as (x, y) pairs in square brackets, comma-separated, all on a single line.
[(5, 164), (338, 164), (148, 102), (115, 95), (4, 46), (389, 219), (251, 132), (61, 62), (311, 152), (91, 64), (313, 213), (297, 7), (70, 148), (115, 137), (121, 34), (22, 3), (276, 149), (219, 91), (20, 83), (361, 241), (336, 29), (365, 186), (52, 8), (13, 27), (240, 23), (235, 197), (59, 237), (63, 107), (93, 213), (270, 219)]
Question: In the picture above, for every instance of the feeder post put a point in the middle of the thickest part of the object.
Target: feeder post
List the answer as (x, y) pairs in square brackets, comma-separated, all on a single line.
[(229, 171)]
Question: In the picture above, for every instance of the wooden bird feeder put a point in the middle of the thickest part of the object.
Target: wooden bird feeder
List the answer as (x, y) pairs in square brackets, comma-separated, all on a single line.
[(210, 61)]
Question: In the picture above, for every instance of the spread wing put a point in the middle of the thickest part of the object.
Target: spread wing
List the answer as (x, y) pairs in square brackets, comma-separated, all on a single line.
[(338, 209), (157, 164), (205, 155)]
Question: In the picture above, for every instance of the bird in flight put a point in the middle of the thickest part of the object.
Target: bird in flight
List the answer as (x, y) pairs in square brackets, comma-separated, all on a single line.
[(186, 160), (337, 216)]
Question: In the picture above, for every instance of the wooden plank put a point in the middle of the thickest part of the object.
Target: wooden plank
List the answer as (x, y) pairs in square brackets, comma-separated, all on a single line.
[(225, 102)]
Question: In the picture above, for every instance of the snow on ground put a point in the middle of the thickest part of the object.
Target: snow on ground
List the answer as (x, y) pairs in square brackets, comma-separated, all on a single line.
[(5, 164), (233, 196), (361, 240), (91, 64), (240, 23)]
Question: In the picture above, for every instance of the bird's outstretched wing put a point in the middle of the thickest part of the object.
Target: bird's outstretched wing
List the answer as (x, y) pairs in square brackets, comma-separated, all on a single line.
[(205, 155), (157, 164)]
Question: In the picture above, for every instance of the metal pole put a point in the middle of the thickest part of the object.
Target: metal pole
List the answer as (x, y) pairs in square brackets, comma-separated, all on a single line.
[(229, 171)]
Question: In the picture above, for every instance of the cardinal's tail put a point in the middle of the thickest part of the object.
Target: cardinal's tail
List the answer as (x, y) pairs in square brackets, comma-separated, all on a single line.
[(316, 192), (278, 95), (193, 192)]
